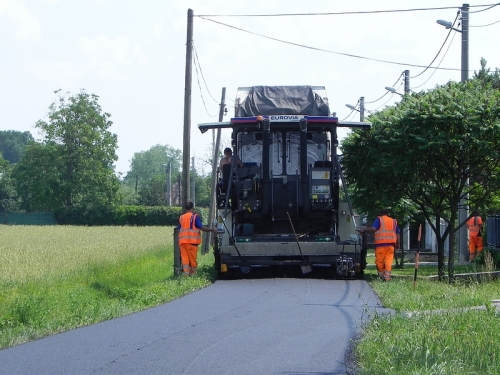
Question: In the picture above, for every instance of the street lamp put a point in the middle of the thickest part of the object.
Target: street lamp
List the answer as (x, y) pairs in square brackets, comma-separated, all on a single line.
[(392, 90), (462, 210), (361, 109), (448, 25), (465, 39)]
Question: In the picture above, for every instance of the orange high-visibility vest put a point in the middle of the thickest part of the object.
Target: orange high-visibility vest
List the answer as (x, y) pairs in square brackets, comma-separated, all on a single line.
[(474, 225), (386, 234), (188, 233)]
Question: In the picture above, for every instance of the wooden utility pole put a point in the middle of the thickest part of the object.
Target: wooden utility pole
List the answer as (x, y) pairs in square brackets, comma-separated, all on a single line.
[(213, 198), (193, 182), (186, 153)]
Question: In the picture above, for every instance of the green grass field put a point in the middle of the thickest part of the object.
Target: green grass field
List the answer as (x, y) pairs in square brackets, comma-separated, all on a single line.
[(57, 278), (437, 328)]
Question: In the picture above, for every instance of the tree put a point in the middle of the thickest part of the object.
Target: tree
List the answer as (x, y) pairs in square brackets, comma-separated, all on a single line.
[(148, 173), (73, 166), (13, 143), (486, 75), (426, 149), (8, 195)]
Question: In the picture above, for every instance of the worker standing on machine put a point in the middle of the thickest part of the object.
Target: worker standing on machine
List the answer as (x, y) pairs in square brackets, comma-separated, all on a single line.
[(227, 159), (386, 242)]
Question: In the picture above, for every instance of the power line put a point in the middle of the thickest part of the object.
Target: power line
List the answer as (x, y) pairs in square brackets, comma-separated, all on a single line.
[(440, 49), (386, 93), (202, 76), (349, 115), (345, 13), (324, 50), (447, 49), (489, 24), (482, 10), (196, 64)]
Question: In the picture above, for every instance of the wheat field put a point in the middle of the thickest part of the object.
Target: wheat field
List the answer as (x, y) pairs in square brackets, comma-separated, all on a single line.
[(30, 253)]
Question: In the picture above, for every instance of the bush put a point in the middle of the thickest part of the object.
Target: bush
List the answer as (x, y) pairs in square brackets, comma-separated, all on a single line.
[(122, 215), (493, 252)]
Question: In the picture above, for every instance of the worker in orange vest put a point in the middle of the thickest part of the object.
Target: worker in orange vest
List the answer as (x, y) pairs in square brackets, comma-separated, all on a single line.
[(190, 226), (386, 242), (475, 226)]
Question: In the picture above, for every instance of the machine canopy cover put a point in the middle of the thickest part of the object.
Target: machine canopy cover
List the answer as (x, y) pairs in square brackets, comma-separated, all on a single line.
[(281, 100)]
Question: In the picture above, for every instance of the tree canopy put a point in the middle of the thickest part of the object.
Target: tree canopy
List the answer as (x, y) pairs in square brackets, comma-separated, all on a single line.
[(13, 143), (432, 149), (73, 165)]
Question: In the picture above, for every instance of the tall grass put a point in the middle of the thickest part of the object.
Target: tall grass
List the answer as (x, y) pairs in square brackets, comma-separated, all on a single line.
[(29, 253), (57, 278), (437, 328)]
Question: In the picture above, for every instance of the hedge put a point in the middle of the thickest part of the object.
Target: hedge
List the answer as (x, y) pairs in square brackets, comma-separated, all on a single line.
[(123, 215)]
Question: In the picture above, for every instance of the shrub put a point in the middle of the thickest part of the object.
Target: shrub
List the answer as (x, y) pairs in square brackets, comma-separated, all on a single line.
[(492, 255), (122, 215)]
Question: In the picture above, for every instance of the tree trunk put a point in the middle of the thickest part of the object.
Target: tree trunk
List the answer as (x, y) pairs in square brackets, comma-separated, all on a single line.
[(440, 250), (451, 249)]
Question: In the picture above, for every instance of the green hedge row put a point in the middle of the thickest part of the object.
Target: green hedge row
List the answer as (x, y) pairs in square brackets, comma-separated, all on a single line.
[(123, 215)]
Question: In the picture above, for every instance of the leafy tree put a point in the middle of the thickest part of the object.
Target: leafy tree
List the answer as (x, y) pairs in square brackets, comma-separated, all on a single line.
[(13, 143), (73, 166), (147, 164), (203, 189), (148, 173), (8, 195), (129, 196), (154, 193), (485, 74), (426, 150)]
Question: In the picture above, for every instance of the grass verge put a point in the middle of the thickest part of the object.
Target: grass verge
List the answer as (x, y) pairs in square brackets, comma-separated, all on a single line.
[(435, 328), (54, 279), (102, 287)]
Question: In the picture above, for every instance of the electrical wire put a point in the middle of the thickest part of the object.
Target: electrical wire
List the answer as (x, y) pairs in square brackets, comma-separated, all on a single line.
[(440, 49), (446, 52), (202, 76), (489, 24), (323, 50), (386, 93), (388, 100), (344, 13), (376, 100), (482, 10), (196, 64), (349, 115)]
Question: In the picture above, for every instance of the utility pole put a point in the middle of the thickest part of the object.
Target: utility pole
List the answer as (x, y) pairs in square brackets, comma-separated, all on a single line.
[(193, 174), (463, 212), (179, 187), (465, 42), (186, 153), (362, 109), (407, 81), (213, 198), (169, 184)]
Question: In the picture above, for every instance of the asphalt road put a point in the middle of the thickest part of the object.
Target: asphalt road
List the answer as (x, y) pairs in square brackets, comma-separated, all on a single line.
[(264, 326)]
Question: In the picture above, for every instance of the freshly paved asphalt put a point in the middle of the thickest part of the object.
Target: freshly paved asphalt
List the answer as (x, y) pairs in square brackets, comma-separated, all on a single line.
[(262, 326)]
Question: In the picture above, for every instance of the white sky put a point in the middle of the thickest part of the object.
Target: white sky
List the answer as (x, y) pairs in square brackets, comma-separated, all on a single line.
[(133, 53)]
